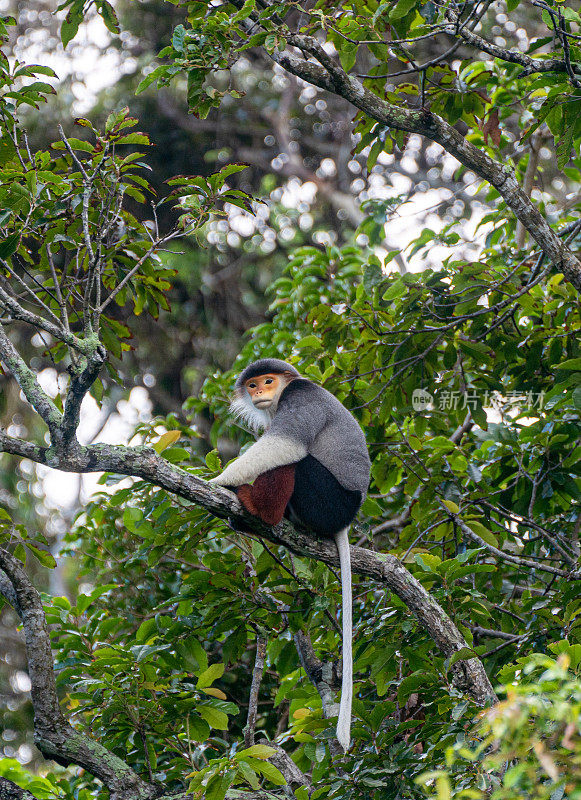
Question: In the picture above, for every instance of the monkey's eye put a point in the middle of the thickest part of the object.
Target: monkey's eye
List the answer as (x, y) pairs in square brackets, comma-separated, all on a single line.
[(252, 386), (268, 380)]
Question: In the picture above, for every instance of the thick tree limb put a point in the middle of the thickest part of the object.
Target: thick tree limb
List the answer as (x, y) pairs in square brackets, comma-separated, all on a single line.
[(10, 791), (144, 462), (53, 735), (19, 447), (328, 75), (66, 454), (81, 381)]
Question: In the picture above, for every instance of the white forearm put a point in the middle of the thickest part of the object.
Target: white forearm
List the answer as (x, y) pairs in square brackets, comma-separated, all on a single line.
[(267, 453)]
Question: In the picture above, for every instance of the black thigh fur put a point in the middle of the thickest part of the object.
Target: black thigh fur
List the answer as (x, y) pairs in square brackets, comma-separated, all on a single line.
[(319, 500)]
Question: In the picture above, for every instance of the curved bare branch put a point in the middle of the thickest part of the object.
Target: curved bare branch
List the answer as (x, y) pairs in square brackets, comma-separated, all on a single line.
[(326, 73)]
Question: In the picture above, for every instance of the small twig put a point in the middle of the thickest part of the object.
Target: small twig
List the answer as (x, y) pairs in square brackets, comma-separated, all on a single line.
[(528, 182), (494, 650), (168, 237), (146, 752), (72, 153), (518, 560), (491, 634), (567, 51), (30, 291), (57, 289), (302, 583), (257, 673)]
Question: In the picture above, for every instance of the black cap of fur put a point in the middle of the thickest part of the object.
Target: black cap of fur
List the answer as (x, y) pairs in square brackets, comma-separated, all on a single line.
[(262, 367)]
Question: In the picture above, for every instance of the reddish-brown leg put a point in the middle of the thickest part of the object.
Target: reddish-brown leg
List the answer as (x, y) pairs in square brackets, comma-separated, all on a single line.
[(268, 496)]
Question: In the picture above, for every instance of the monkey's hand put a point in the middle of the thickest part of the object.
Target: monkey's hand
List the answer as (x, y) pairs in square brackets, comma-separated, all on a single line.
[(231, 476), (265, 454), (218, 480)]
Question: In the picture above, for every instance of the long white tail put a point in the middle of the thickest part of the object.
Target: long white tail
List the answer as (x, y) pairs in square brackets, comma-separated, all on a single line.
[(344, 721)]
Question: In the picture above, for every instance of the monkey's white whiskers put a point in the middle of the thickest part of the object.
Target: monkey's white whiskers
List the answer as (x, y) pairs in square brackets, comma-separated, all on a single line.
[(344, 720)]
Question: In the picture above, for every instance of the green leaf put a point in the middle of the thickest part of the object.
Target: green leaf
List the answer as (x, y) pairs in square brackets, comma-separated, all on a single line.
[(475, 349), (395, 290), (461, 655), (145, 630), (348, 54), (271, 773), (402, 8), (308, 341), (133, 138), (218, 786), (245, 11), (249, 775), (108, 16), (158, 72), (166, 440), (77, 144), (45, 557), (72, 22), (199, 728), (85, 600), (193, 648), (213, 461), (574, 364), (9, 246), (483, 532), (420, 680), (262, 751), (210, 675), (214, 717), (450, 356), (7, 153), (428, 562)]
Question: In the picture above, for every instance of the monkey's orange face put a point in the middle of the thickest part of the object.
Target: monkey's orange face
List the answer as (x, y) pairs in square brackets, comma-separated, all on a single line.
[(264, 390)]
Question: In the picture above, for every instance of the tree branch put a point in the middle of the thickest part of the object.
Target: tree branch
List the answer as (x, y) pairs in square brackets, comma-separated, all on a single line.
[(319, 673), (53, 735), (144, 462), (27, 381), (329, 75), (81, 381), (18, 447), (10, 791), (530, 65), (520, 561), (122, 283), (257, 673), (59, 333)]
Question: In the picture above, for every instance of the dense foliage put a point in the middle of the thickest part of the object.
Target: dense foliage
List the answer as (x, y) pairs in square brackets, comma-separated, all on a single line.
[(186, 639)]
